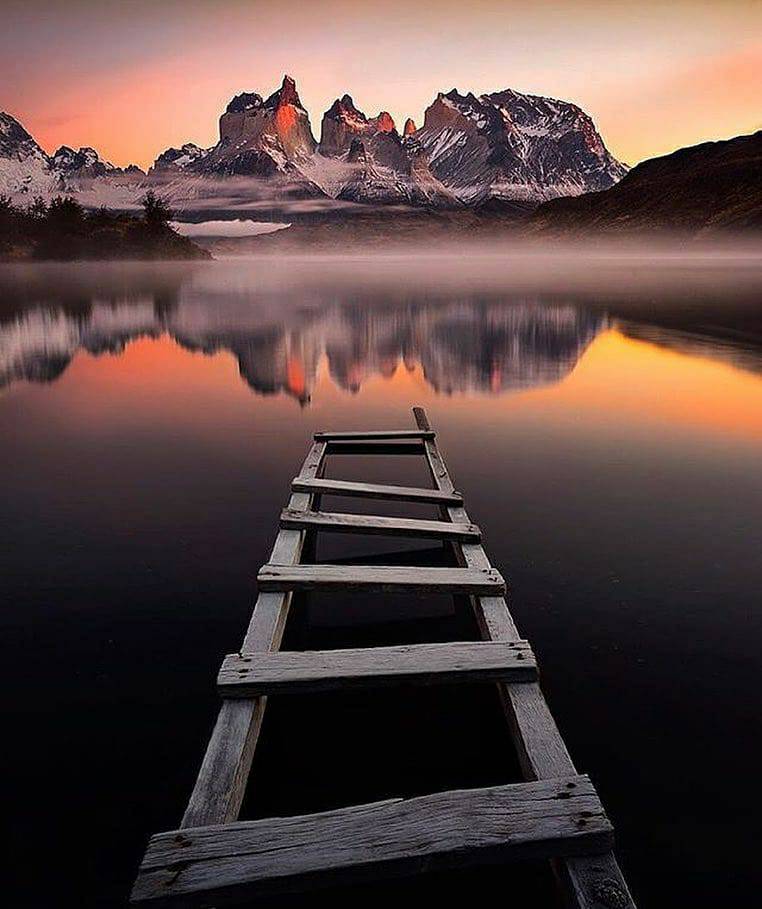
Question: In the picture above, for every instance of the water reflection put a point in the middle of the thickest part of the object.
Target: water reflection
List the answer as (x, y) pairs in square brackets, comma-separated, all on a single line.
[(484, 343), (463, 346), (620, 493)]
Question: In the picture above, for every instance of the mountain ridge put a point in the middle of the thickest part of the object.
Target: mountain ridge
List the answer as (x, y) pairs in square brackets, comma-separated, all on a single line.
[(500, 147), (700, 189)]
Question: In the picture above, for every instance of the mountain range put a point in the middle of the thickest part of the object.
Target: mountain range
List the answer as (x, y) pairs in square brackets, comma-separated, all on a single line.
[(501, 148)]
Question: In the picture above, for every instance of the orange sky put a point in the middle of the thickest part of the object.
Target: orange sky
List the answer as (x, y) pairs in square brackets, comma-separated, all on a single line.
[(134, 78)]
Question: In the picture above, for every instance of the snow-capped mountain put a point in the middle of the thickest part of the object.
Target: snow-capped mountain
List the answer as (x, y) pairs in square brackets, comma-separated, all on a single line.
[(380, 166), (343, 122), (269, 140), (26, 171), (503, 147), (515, 148), (174, 159), (85, 162)]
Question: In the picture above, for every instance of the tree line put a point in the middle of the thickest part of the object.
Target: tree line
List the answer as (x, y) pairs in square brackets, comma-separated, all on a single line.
[(62, 229)]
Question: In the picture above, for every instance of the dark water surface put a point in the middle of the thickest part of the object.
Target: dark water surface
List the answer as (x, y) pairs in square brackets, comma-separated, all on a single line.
[(609, 446)]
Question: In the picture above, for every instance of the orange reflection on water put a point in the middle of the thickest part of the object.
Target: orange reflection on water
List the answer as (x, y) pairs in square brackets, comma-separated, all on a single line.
[(618, 379), (640, 379)]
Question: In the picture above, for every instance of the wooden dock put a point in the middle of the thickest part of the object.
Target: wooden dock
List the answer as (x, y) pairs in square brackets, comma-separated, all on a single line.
[(215, 860)]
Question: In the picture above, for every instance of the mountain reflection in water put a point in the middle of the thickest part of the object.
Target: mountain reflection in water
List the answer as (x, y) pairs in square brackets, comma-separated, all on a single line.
[(465, 346), (486, 343)]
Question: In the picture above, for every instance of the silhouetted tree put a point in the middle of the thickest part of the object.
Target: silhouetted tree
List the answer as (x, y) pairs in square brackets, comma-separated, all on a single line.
[(66, 215), (38, 209), (156, 212), (8, 217), (63, 229)]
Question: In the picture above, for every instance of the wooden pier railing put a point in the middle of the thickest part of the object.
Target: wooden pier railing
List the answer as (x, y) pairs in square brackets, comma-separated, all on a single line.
[(214, 859)]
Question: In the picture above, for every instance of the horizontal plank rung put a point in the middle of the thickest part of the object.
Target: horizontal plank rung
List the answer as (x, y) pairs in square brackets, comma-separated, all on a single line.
[(381, 578), (377, 524), (376, 491), (214, 866), (272, 672), (373, 435)]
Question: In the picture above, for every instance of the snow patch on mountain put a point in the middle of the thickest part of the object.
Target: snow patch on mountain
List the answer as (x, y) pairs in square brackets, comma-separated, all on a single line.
[(514, 147), (502, 146)]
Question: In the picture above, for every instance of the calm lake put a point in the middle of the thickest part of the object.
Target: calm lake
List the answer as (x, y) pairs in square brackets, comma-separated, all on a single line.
[(608, 443)]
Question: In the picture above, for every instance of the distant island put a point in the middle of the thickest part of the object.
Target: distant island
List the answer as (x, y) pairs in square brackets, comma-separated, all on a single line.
[(63, 230)]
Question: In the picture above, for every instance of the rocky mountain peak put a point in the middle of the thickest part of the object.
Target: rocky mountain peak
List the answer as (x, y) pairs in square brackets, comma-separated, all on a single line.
[(260, 138), (286, 94), (15, 141), (179, 157), (357, 153), (497, 147), (343, 122), (512, 147), (384, 122), (243, 102), (85, 161), (344, 109)]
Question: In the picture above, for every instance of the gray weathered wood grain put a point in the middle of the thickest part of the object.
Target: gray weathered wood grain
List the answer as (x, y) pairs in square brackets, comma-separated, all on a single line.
[(380, 578), (221, 782), (340, 522), (297, 672), (377, 491), (212, 866), (587, 883)]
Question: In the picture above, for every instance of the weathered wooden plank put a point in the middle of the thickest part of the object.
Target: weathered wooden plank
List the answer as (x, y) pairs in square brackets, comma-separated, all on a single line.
[(377, 491), (380, 578), (212, 866), (252, 674), (221, 782), (339, 522), (374, 435), (587, 883)]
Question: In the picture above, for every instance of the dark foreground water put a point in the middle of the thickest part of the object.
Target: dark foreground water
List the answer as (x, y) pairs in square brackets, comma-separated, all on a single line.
[(609, 444)]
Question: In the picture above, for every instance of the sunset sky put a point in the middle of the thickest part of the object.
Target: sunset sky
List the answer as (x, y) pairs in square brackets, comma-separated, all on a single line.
[(132, 78)]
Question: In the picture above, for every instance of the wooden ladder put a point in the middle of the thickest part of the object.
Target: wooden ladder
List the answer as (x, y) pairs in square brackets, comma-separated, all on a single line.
[(214, 859)]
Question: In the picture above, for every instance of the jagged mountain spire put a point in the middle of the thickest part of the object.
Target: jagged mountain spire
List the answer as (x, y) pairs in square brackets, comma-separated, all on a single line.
[(503, 146)]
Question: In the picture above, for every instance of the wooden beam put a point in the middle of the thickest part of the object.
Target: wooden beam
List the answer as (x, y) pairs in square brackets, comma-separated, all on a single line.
[(214, 866), (337, 522), (374, 435), (587, 883), (380, 578), (377, 491), (219, 789), (253, 674)]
